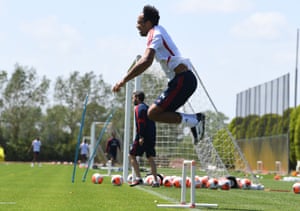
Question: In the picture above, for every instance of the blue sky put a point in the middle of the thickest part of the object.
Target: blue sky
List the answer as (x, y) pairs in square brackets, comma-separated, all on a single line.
[(234, 44)]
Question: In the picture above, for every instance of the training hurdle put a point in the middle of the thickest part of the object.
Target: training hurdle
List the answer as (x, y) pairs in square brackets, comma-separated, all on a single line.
[(110, 168), (192, 203)]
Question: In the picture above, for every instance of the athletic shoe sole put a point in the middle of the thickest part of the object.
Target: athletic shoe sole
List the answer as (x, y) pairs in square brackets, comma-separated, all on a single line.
[(135, 183), (198, 130), (155, 185)]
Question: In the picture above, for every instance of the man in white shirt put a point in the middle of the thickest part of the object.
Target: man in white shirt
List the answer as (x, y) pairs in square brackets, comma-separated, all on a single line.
[(36, 146), (182, 81), (84, 151)]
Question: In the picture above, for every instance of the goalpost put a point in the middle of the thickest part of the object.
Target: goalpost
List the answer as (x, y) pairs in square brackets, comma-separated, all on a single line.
[(217, 155), (93, 141)]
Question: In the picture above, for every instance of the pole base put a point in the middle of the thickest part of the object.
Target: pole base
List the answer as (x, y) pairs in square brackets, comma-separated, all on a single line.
[(187, 205)]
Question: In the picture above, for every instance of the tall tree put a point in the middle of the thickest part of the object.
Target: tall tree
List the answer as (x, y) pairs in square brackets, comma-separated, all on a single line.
[(72, 91), (294, 135), (214, 122), (23, 91), (23, 95), (3, 80)]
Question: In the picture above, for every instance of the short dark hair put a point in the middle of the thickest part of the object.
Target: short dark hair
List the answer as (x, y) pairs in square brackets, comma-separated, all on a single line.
[(140, 95), (151, 14)]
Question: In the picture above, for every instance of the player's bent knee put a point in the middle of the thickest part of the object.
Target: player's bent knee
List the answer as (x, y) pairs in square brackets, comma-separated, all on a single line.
[(151, 116), (154, 112)]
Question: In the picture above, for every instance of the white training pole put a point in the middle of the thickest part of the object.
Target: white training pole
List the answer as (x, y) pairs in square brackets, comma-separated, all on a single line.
[(192, 203), (109, 166), (183, 183), (128, 107), (126, 129), (193, 187), (137, 86), (192, 163)]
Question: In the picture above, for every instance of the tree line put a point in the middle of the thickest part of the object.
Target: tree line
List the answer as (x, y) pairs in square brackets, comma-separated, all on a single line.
[(29, 108), (254, 126)]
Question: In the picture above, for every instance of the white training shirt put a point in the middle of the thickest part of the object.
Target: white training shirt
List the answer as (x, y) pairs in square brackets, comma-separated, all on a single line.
[(166, 52), (84, 148), (36, 145)]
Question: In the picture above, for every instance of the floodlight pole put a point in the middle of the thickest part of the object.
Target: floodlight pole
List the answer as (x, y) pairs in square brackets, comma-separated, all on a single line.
[(296, 70)]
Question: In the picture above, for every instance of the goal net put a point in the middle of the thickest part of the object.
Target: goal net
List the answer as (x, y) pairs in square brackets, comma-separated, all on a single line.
[(217, 155)]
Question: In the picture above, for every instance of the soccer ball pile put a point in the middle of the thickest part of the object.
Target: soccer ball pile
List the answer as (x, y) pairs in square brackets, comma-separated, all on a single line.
[(176, 181), (200, 182), (97, 178), (212, 183)]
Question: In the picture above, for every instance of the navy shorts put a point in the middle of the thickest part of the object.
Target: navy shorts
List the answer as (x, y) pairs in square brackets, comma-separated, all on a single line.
[(84, 156), (179, 89), (112, 155), (138, 150)]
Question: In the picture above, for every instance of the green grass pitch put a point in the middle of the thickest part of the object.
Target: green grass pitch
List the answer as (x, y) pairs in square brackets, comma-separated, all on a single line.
[(50, 188)]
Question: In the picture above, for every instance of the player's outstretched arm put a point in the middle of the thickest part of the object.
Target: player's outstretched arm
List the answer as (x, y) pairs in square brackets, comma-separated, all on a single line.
[(137, 69)]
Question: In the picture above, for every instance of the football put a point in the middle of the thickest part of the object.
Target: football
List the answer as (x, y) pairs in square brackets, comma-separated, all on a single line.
[(117, 180), (188, 182), (97, 178), (224, 184), (296, 188), (245, 184), (148, 180), (177, 181), (168, 181), (212, 183), (204, 181), (198, 183), (129, 179)]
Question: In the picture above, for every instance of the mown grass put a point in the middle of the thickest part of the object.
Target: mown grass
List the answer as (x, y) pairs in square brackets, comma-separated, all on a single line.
[(50, 188)]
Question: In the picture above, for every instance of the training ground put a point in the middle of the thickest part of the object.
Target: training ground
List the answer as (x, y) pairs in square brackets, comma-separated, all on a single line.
[(50, 188)]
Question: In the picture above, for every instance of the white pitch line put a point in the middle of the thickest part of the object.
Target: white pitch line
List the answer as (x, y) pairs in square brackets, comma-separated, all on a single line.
[(7, 202), (158, 194)]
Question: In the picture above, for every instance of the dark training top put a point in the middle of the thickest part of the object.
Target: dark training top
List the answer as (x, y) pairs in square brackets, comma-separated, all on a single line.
[(144, 126), (112, 145)]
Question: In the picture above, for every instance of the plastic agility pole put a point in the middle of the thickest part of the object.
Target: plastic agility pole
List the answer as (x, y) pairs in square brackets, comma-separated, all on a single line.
[(79, 136), (97, 143), (192, 203)]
